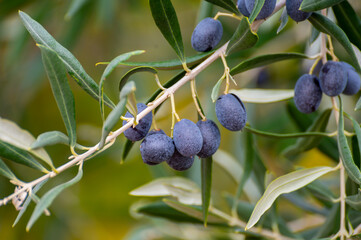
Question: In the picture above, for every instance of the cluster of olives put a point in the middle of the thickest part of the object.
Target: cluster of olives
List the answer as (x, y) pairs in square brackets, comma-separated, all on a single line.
[(189, 139), (208, 32), (292, 7), (334, 78)]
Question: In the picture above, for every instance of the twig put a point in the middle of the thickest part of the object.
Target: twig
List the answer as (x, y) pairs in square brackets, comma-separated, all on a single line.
[(81, 157)]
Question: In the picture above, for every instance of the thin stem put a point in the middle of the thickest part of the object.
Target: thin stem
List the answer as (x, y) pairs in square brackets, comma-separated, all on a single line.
[(194, 95), (192, 74), (226, 73), (312, 69), (231, 15), (237, 222), (332, 52), (111, 138), (158, 82), (174, 113), (288, 135), (185, 67)]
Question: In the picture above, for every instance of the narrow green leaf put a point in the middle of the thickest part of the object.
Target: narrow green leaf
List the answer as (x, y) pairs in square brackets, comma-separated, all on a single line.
[(285, 135), (20, 156), (126, 149), (166, 20), (285, 184), (226, 4), (50, 138), (263, 60), (108, 70), (111, 121), (349, 21), (283, 20), (184, 190), (28, 200), (304, 144), (354, 201), (176, 212), (345, 153), (215, 90), (315, 5), (116, 113), (53, 138), (314, 35), (72, 65), (74, 7), (242, 38), (206, 173), (325, 25), (258, 4), (256, 95), (49, 197), (193, 211), (249, 157), (5, 171), (126, 76), (167, 65), (160, 209), (11, 133), (61, 90)]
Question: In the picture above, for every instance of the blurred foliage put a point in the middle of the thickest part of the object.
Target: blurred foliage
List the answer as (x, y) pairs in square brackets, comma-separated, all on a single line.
[(98, 206)]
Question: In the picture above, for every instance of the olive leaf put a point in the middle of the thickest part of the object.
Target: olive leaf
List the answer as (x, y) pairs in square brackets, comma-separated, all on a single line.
[(206, 176), (5, 171), (11, 133), (242, 38), (61, 90), (285, 184), (72, 65), (166, 20), (108, 70), (349, 21), (20, 156), (255, 95), (258, 4), (315, 5), (49, 197), (226, 4)]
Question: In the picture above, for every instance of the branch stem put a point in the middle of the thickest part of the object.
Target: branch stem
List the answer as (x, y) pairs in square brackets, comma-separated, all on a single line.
[(81, 157)]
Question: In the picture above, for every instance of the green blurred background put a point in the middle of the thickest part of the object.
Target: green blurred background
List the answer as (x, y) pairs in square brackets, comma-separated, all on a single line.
[(99, 206)]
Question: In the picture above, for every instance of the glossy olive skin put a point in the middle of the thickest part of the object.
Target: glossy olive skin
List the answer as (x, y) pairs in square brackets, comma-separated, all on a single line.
[(308, 94), (292, 7), (207, 34), (156, 147), (141, 130), (211, 138), (241, 5), (266, 10), (187, 138), (353, 80), (231, 112), (333, 78), (179, 162)]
